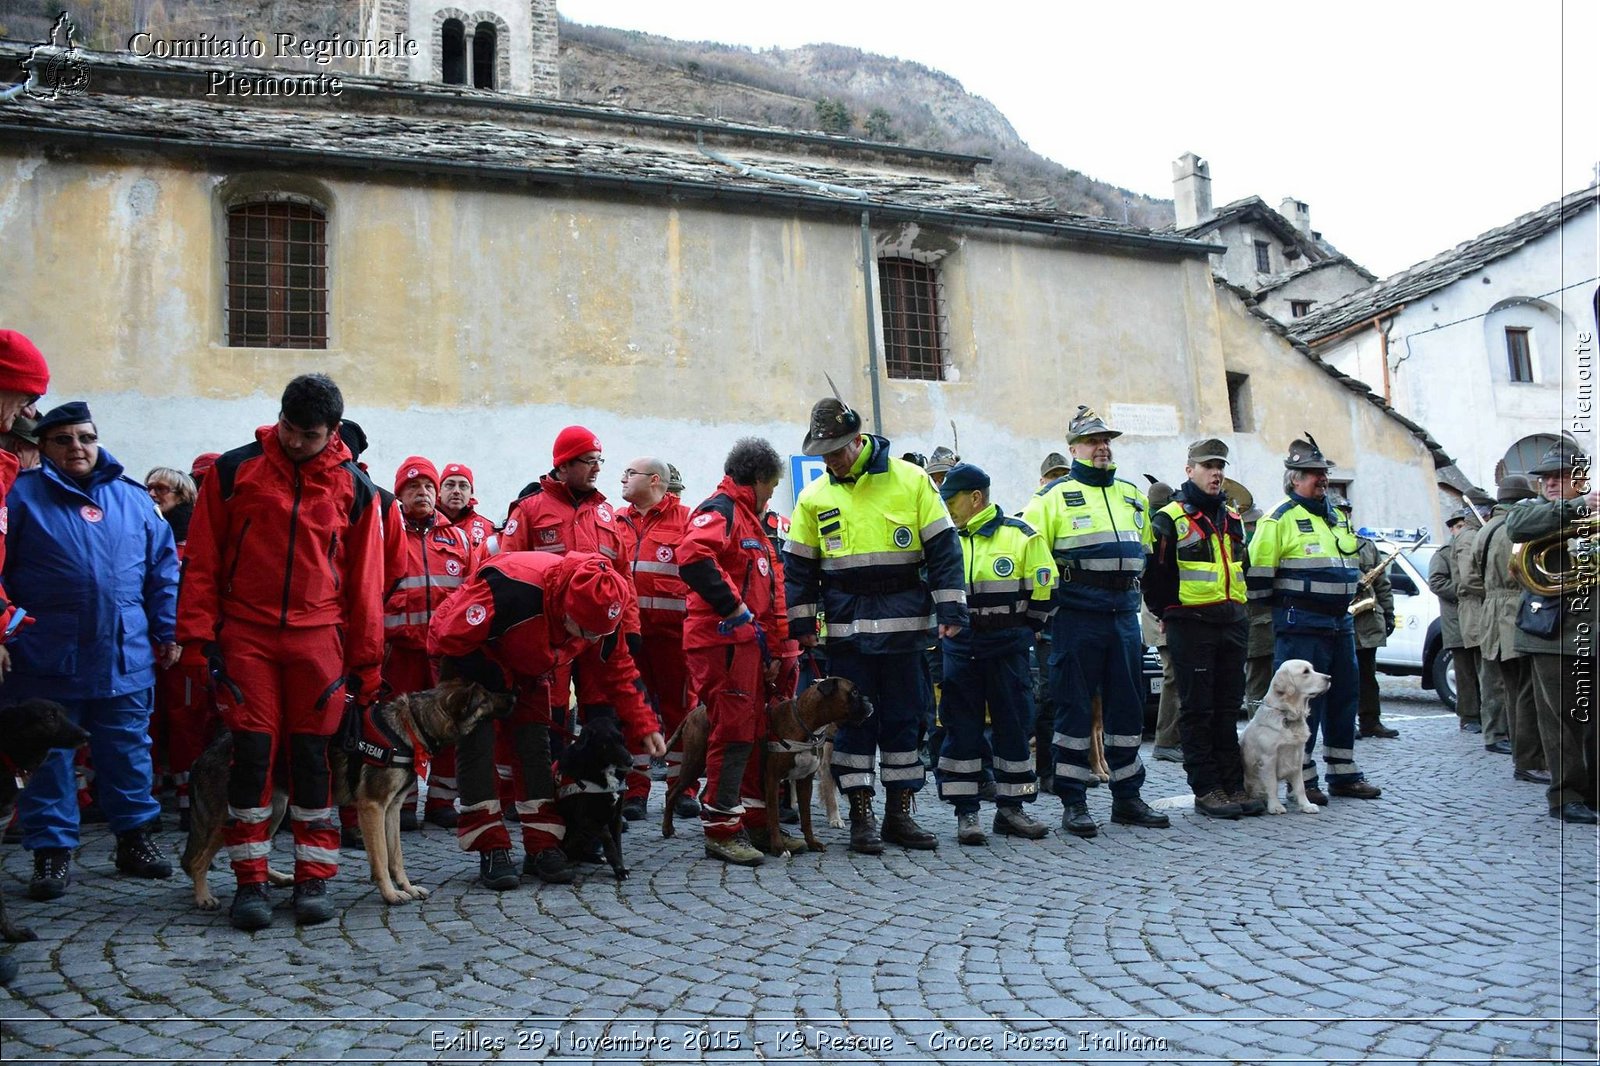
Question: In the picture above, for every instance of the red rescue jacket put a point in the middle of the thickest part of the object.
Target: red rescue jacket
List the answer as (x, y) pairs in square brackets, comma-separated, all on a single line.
[(726, 559), (511, 609), (8, 477), (651, 551), (551, 519), (479, 529), (439, 558), (275, 543)]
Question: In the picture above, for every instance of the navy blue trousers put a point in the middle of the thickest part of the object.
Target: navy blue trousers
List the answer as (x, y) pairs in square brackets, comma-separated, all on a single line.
[(1000, 684), (895, 683), (1092, 651)]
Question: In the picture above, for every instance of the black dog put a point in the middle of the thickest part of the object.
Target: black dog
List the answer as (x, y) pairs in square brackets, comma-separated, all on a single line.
[(28, 732), (594, 771)]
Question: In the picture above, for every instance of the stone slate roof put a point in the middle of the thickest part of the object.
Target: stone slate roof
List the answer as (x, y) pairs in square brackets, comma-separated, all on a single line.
[(1311, 268), (599, 148), (1441, 459), (1255, 209), (1433, 274)]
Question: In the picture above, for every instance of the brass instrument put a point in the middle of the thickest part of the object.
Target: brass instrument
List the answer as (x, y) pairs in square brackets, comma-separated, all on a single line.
[(1366, 599), (1536, 564)]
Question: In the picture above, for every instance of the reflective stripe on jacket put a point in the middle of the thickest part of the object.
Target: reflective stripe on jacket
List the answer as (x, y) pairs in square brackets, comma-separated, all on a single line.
[(858, 550), (727, 561), (651, 550), (1010, 579), (1302, 560), (439, 558), (551, 519), (1098, 528), (1195, 564)]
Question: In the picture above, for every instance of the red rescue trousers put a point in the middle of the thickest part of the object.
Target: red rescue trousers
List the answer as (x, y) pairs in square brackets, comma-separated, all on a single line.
[(183, 695), (526, 733), (291, 707), (727, 678), (665, 676)]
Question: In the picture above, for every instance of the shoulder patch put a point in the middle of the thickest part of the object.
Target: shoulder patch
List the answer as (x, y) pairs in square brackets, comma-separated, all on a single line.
[(1072, 497), (1282, 509), (1304, 525)]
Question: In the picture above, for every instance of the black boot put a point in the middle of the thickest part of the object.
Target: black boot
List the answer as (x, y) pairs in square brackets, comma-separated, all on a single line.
[(138, 855), (900, 828), (864, 836), (251, 909), (1075, 819), (1135, 811), (52, 873)]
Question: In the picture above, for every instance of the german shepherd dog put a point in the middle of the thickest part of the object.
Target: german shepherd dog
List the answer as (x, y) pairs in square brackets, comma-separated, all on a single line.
[(793, 750), (594, 770), (29, 731), (375, 778)]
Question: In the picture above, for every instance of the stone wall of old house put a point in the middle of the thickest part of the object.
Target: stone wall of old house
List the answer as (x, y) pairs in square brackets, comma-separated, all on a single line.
[(1319, 286), (472, 323)]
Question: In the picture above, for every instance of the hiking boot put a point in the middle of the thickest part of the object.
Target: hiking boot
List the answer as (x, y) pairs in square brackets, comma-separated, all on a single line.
[(495, 870), (864, 837), (968, 831), (1316, 795), (409, 823), (1075, 819), (350, 838), (1377, 729), (1216, 804), (736, 849), (138, 856), (1013, 822), (251, 909), (312, 903), (1249, 807), (441, 816), (52, 873), (1135, 811), (633, 809), (900, 828), (1360, 789), (786, 844), (1173, 754), (686, 806), (550, 865)]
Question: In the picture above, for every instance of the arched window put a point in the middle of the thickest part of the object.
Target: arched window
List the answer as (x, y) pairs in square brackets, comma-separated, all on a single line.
[(277, 275), (1525, 453), (453, 50), (483, 55)]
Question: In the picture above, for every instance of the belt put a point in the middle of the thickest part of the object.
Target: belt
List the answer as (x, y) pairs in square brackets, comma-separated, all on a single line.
[(1095, 580), (861, 585), (1316, 608)]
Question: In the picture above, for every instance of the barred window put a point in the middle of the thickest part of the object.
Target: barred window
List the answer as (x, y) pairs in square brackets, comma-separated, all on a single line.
[(913, 320), (277, 275)]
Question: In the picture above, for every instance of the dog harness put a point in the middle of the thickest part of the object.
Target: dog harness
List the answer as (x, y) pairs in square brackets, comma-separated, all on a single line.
[(807, 753), (381, 746), (569, 786)]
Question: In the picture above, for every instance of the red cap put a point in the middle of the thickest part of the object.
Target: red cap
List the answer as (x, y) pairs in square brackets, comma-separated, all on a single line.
[(596, 594), (414, 467), (22, 367), (203, 463), (458, 470), (571, 443)]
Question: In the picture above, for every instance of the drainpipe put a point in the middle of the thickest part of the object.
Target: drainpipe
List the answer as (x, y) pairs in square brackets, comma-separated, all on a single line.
[(1383, 329), (746, 170)]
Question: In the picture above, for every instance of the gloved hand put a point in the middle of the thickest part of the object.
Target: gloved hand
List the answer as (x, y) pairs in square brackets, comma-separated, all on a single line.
[(219, 672), (740, 617), (1388, 627)]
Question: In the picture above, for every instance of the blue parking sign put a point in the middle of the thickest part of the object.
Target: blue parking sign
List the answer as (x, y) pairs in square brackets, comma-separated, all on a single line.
[(803, 470)]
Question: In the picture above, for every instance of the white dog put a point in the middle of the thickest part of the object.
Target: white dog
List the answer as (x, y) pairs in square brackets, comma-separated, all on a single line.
[(1273, 747)]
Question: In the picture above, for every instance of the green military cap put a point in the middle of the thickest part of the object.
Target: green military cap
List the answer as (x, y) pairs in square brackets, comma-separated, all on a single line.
[(941, 461), (1053, 462), (1562, 458), (1202, 451)]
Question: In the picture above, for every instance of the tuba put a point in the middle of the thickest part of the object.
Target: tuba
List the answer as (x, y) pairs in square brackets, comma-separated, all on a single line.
[(1537, 565)]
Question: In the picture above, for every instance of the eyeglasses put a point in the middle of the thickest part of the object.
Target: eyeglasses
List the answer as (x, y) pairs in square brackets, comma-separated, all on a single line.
[(160, 490), (597, 462), (66, 440), (630, 472)]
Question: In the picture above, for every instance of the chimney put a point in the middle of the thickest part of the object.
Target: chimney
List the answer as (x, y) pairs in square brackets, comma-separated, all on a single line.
[(1298, 212), (1191, 190)]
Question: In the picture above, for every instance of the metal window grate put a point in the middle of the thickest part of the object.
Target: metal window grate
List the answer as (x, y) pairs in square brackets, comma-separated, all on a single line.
[(277, 276), (913, 320)]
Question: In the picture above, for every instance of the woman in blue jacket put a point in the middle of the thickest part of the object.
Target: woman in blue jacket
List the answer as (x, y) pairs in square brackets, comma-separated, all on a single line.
[(94, 566)]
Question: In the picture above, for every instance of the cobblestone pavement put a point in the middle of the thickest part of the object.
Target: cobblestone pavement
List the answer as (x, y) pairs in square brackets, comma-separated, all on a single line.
[(1450, 921)]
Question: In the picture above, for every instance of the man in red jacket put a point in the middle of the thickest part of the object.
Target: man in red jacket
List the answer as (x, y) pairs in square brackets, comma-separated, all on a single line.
[(522, 618), (24, 377), (735, 625), (282, 586), (455, 500), (653, 525), (439, 557)]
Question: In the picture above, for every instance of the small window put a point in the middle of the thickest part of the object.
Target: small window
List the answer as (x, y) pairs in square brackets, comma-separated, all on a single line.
[(1239, 403), (1518, 355), (1263, 257), (453, 51), (483, 53), (1400, 582), (1300, 308), (913, 323), (277, 276)]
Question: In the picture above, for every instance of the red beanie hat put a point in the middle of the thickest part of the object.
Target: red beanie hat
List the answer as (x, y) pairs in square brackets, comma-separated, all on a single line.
[(573, 442), (596, 594), (458, 470), (203, 463), (414, 467), (22, 368)]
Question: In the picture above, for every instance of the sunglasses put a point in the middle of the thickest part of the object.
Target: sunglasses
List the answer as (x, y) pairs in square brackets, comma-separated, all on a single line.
[(66, 440)]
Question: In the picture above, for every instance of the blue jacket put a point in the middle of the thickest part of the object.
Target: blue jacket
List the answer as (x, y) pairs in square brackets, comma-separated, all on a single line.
[(97, 570)]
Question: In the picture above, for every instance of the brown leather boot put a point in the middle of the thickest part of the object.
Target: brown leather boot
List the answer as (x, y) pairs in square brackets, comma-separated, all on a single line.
[(864, 836), (900, 828)]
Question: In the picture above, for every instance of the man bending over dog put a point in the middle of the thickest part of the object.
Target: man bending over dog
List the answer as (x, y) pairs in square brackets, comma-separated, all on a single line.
[(731, 638), (1194, 583), (1303, 561), (1010, 575), (522, 619), (282, 586)]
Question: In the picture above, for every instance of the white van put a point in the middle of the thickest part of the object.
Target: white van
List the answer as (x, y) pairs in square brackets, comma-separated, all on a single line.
[(1416, 646)]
